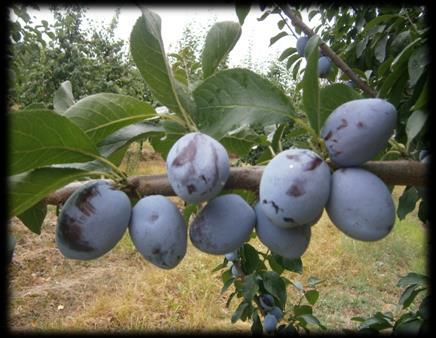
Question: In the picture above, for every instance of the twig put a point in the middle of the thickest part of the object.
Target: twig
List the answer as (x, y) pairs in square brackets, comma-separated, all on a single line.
[(402, 172), (296, 21)]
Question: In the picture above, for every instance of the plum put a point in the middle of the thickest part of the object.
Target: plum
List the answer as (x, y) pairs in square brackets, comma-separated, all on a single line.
[(223, 225), (198, 167), (92, 221), (424, 156), (294, 187), (290, 243), (301, 44), (360, 204), (11, 247), (235, 272), (350, 83), (324, 65), (267, 302), (277, 312), (269, 323), (358, 130), (232, 256), (158, 231)]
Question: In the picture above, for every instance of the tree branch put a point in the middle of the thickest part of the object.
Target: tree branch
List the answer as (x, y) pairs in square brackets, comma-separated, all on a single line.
[(401, 172), (296, 21)]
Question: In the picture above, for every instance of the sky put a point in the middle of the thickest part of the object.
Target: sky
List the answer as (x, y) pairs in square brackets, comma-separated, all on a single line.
[(254, 32)]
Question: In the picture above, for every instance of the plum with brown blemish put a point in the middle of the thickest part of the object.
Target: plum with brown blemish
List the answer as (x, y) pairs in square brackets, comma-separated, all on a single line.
[(198, 167), (294, 187), (158, 231), (92, 221), (223, 225), (358, 130), (360, 204), (287, 242)]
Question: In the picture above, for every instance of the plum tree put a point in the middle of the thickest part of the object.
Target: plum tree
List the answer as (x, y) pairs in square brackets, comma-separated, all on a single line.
[(324, 65), (301, 45), (223, 225), (158, 231), (92, 221), (360, 204), (357, 130), (198, 167), (269, 323), (287, 242), (294, 187)]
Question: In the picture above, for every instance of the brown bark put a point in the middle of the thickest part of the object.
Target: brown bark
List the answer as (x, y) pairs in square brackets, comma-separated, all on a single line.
[(391, 172)]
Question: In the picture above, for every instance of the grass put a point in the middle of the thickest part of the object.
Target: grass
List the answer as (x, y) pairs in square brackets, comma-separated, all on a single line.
[(122, 292)]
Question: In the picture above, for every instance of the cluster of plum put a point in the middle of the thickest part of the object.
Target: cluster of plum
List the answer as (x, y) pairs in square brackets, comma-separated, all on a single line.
[(324, 62), (294, 189)]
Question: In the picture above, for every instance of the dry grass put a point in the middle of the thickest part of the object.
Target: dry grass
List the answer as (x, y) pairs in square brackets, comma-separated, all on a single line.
[(122, 292)]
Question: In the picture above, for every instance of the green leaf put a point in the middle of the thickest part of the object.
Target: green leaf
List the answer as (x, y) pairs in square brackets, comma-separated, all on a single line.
[(380, 49), (379, 19), (235, 98), (295, 69), (163, 143), (148, 53), (273, 283), (390, 81), (102, 114), (311, 84), (409, 327), (250, 287), (407, 202), (286, 53), (333, 96), (264, 16), (277, 37), (237, 145), (226, 285), (294, 265), (311, 319), (238, 312), (249, 258), (127, 135), (311, 296), (291, 60), (423, 97), (220, 40), (27, 189), (412, 278), (409, 295), (256, 327), (188, 211), (63, 97), (242, 11), (417, 64), (276, 266), (415, 122), (33, 217), (300, 310), (403, 58), (42, 137), (313, 281)]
